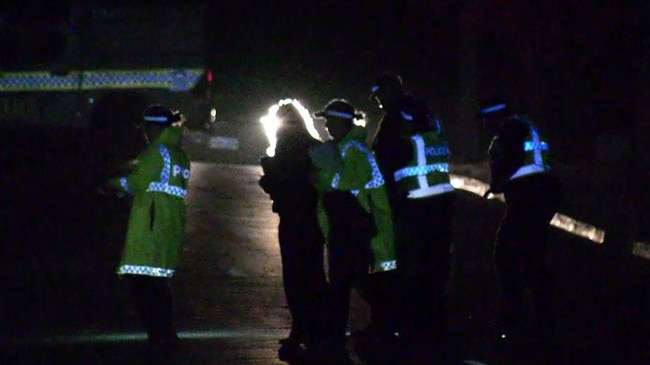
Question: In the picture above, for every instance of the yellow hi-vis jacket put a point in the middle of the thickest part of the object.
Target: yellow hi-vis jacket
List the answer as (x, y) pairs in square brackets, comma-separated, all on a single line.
[(156, 225), (427, 174), (360, 175)]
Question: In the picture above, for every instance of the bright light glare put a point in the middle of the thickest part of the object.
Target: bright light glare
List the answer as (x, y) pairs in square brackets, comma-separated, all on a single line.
[(213, 115), (271, 123)]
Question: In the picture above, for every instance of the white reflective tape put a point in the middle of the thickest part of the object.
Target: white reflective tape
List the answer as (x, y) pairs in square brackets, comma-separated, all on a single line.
[(430, 191), (171, 79), (421, 157), (420, 170), (145, 270), (389, 265)]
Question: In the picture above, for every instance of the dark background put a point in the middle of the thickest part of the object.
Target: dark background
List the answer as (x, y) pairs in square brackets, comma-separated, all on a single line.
[(579, 67)]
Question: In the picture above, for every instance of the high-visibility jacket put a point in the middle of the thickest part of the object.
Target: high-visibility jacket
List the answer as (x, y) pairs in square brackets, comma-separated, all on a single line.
[(517, 150), (427, 174), (360, 175), (156, 225)]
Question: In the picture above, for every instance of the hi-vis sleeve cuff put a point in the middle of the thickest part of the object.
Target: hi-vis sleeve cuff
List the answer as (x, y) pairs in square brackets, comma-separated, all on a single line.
[(124, 183)]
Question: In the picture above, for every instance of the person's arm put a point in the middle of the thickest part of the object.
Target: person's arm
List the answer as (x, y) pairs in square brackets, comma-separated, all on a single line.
[(147, 170), (355, 170)]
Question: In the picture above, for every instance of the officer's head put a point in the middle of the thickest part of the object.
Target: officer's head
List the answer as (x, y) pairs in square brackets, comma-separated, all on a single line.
[(339, 117), (156, 118), (288, 115), (387, 90), (291, 122), (492, 114)]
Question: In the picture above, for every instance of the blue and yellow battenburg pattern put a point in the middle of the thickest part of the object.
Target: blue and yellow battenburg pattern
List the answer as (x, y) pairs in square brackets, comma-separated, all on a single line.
[(171, 79)]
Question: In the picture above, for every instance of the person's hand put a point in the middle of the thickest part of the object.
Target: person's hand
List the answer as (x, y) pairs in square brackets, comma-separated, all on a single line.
[(108, 191)]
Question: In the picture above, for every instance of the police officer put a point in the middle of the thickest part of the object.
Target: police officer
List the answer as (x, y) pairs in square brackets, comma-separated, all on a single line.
[(360, 230), (156, 224), (413, 152), (287, 179), (520, 169)]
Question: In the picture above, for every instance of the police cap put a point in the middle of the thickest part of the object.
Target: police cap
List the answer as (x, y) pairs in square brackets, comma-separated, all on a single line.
[(339, 108), (492, 108), (160, 115)]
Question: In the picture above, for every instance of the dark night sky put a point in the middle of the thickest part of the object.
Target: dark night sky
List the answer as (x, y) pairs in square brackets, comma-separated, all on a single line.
[(567, 60)]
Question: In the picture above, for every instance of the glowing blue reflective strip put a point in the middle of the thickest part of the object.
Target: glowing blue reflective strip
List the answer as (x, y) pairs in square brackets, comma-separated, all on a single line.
[(492, 109), (125, 184), (374, 88), (532, 146), (406, 116), (167, 164), (334, 113), (163, 186), (421, 157), (438, 127), (529, 170), (156, 119), (174, 80), (377, 179), (420, 170), (168, 189), (145, 270), (537, 152)]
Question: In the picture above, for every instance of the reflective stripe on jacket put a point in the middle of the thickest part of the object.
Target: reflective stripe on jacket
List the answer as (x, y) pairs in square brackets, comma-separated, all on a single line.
[(428, 172), (536, 150), (360, 175)]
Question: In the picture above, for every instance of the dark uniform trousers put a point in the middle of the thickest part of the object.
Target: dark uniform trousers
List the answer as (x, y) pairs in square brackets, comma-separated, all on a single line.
[(153, 303), (350, 258), (521, 249), (424, 233), (303, 273)]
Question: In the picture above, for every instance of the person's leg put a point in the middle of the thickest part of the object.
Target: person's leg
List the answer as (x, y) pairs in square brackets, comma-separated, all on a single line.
[(288, 238), (313, 286), (438, 266), (140, 293), (409, 265), (340, 284), (153, 303), (162, 312), (509, 262)]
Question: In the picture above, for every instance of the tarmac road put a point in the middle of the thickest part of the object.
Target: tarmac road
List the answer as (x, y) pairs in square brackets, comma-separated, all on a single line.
[(62, 304)]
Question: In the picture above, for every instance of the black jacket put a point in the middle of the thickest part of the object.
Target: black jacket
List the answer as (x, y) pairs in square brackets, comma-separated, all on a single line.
[(287, 175), (392, 147)]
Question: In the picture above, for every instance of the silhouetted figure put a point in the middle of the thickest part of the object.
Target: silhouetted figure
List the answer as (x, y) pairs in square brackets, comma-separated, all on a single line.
[(413, 153), (287, 179), (520, 170)]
